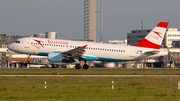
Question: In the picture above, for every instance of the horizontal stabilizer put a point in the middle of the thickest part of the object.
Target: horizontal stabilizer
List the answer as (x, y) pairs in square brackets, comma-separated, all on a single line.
[(152, 52)]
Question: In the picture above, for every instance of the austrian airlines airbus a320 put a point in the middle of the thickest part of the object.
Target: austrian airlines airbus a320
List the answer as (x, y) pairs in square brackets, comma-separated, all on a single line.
[(67, 51)]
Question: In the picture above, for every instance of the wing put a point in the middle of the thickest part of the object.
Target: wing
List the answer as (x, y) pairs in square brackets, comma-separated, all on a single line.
[(67, 56), (76, 52)]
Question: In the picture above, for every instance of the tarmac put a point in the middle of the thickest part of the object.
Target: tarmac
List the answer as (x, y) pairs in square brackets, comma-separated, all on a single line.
[(102, 75)]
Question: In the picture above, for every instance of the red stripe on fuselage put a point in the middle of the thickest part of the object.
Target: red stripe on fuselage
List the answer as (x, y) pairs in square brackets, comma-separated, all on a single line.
[(148, 44), (162, 24)]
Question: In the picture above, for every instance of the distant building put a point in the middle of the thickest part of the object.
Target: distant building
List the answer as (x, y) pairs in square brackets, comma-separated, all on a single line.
[(39, 35), (90, 20), (119, 42), (2, 36), (172, 38), (52, 35), (6, 40), (136, 36), (83, 40)]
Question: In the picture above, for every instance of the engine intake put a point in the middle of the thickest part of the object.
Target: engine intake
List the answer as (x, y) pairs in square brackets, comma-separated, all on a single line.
[(58, 57)]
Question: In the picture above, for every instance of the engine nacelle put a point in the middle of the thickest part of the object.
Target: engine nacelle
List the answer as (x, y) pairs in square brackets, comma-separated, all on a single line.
[(58, 57)]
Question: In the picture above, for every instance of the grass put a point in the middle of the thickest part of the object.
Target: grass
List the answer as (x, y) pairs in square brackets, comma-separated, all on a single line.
[(88, 89), (92, 71)]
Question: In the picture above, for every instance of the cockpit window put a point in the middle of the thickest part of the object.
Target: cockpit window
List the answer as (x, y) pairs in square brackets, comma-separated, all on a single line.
[(17, 41)]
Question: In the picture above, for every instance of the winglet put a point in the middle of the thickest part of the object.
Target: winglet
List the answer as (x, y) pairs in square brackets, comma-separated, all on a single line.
[(84, 46)]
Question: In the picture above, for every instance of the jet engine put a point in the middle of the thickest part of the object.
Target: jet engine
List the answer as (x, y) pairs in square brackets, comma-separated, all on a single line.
[(59, 57)]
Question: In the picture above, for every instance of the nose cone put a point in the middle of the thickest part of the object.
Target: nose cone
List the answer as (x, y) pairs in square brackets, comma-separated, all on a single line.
[(10, 47)]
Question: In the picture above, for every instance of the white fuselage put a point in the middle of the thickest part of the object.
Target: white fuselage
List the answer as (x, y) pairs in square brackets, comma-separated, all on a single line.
[(93, 51)]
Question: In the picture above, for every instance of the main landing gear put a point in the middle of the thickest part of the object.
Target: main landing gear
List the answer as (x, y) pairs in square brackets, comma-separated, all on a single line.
[(78, 66)]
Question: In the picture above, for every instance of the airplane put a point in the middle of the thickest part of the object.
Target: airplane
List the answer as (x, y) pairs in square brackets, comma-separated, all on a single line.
[(68, 51)]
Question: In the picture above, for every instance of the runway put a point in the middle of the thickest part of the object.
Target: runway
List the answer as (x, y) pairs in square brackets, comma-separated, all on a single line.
[(101, 75)]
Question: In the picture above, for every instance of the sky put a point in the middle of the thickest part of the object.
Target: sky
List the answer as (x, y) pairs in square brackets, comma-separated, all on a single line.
[(66, 17)]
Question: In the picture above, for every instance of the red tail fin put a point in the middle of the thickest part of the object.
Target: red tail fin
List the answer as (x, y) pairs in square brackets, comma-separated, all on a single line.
[(155, 37)]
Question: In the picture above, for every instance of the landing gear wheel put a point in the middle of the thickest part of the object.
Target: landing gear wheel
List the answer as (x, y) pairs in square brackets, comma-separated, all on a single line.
[(78, 66), (85, 66)]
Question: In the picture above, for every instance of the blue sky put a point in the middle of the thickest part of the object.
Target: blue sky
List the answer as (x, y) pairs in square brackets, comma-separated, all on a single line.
[(66, 17)]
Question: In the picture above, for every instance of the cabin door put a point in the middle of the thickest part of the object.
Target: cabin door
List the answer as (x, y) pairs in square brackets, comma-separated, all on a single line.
[(133, 52), (26, 44)]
